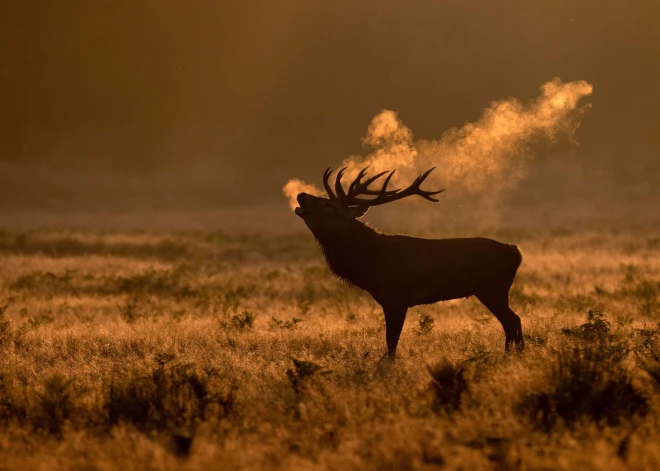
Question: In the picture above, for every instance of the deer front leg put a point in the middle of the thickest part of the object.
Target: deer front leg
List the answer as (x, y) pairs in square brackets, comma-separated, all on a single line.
[(394, 318)]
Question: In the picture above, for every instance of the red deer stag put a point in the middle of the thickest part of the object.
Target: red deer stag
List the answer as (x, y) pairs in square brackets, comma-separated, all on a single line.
[(401, 271)]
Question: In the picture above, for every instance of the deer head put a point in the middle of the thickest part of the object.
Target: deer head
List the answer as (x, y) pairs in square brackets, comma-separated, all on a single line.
[(335, 213)]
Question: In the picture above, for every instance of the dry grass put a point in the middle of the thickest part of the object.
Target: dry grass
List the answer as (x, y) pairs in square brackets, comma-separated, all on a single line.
[(200, 351)]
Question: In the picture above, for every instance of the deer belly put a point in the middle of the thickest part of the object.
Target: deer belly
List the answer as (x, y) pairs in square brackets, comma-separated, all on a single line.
[(427, 294)]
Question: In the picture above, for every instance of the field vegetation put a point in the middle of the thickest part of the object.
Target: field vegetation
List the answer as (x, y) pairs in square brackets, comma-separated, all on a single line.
[(212, 351)]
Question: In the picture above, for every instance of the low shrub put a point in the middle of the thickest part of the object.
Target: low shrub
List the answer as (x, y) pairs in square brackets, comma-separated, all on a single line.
[(244, 320), (589, 383), (596, 328), (426, 324), (170, 398), (448, 386), (276, 323)]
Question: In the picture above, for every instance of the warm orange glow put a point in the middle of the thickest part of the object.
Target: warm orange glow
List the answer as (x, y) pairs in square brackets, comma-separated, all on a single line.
[(295, 186), (488, 156)]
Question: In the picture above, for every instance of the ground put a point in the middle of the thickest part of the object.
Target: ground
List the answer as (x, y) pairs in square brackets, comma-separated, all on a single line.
[(208, 351)]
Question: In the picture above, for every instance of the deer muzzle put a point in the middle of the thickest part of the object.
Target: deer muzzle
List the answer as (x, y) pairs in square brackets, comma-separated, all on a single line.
[(300, 210)]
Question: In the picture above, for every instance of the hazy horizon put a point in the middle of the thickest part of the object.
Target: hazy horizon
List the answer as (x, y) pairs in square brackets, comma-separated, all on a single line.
[(165, 107)]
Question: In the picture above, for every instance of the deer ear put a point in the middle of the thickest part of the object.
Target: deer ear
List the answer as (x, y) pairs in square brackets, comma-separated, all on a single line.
[(357, 212)]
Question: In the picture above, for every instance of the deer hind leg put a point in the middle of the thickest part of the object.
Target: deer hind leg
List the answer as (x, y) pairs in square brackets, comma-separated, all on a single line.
[(394, 319), (498, 304), (520, 342)]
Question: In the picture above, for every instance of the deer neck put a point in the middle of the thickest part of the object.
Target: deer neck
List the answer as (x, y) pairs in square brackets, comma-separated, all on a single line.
[(349, 254)]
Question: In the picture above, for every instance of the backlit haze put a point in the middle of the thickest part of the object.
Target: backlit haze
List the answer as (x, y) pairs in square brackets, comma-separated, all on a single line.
[(176, 115), (489, 155)]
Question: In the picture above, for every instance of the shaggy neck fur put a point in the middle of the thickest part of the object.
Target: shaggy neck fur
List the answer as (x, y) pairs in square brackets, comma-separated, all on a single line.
[(347, 253)]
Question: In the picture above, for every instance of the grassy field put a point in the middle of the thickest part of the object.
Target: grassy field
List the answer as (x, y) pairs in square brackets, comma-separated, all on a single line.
[(209, 351)]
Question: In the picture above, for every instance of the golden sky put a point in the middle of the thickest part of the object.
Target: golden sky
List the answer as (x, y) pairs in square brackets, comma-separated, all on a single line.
[(289, 87)]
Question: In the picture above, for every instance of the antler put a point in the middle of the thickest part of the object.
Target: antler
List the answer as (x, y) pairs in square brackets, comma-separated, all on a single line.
[(328, 190), (356, 188), (383, 195), (362, 188)]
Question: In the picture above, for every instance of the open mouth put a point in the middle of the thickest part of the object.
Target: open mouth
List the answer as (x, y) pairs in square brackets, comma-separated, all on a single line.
[(300, 210)]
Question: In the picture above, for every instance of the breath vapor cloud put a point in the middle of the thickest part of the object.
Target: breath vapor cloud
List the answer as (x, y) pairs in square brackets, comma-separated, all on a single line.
[(489, 156)]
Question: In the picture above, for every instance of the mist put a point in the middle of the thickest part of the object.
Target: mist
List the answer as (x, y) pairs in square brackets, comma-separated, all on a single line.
[(158, 111), (486, 158)]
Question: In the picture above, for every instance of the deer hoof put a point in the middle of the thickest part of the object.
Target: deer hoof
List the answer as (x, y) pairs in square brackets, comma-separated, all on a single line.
[(387, 358)]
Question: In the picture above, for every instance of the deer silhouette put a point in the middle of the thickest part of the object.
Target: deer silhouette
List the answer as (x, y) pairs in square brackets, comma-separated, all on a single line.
[(401, 271)]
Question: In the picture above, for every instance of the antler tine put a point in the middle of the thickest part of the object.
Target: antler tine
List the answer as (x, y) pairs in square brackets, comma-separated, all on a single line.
[(328, 189), (339, 190), (424, 194), (362, 188), (385, 196), (370, 180), (383, 190), (422, 177), (356, 182)]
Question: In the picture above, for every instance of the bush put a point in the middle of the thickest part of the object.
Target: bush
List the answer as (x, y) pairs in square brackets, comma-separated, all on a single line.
[(244, 320), (46, 408), (55, 405), (276, 323), (426, 323), (448, 386), (648, 351), (301, 373), (13, 407), (170, 398), (596, 328), (586, 383)]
